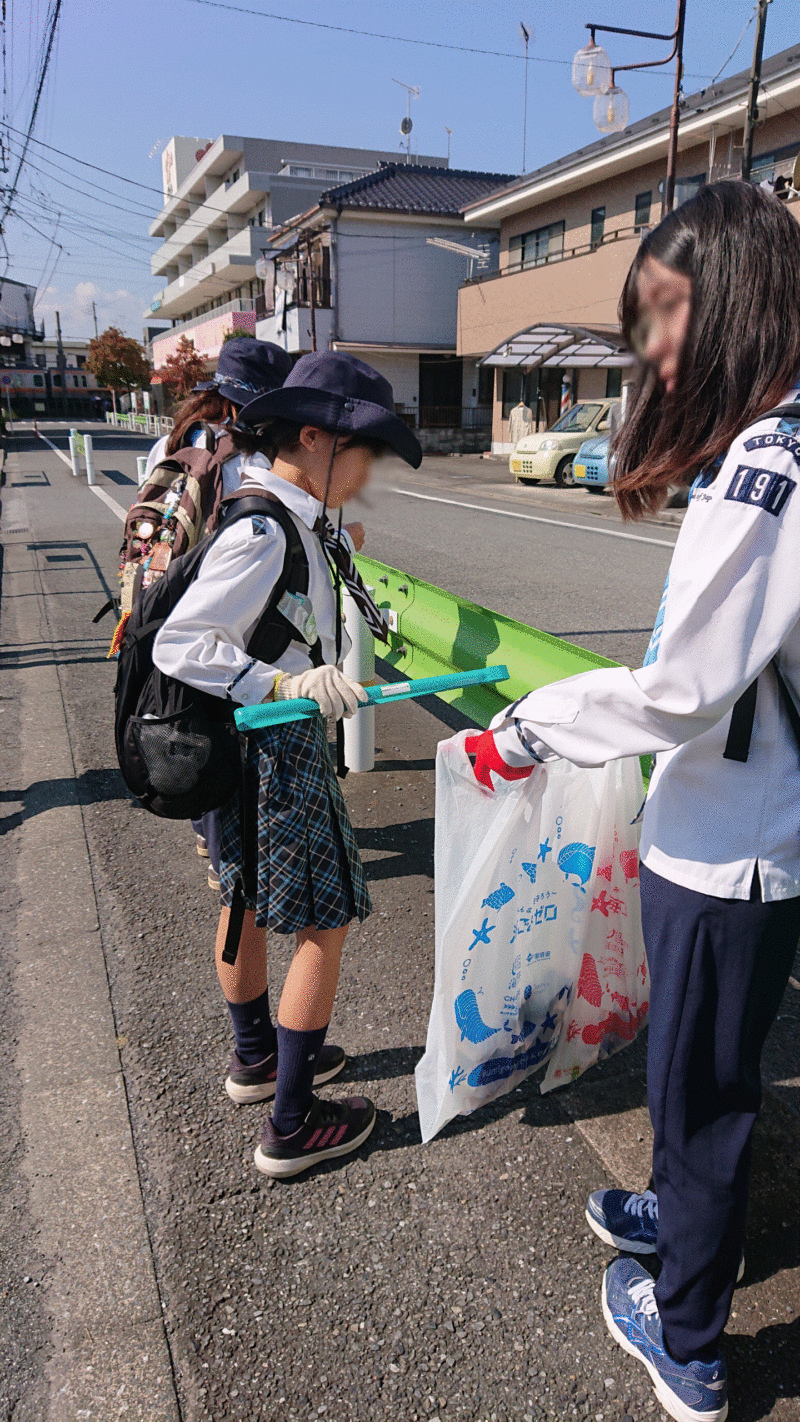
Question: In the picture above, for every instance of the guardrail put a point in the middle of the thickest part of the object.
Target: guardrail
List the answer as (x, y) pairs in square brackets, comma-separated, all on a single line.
[(434, 632), (156, 425)]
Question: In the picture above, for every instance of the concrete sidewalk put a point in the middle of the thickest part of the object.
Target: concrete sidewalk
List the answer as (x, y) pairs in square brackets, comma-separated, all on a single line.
[(146, 1269)]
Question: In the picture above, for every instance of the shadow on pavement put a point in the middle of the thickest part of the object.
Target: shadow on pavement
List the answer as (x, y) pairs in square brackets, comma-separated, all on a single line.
[(90, 788), (411, 843)]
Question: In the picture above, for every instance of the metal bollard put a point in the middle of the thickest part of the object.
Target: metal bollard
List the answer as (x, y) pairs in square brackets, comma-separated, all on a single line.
[(88, 450), (73, 453), (141, 465), (359, 664)]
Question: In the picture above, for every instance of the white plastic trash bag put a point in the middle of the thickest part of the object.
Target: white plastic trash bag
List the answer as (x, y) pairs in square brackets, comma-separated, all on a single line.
[(539, 949)]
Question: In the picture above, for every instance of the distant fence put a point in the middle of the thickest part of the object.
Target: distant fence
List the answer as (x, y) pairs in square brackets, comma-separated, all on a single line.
[(156, 425), (457, 417)]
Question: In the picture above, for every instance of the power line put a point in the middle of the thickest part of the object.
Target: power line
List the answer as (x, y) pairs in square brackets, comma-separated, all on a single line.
[(396, 39), (42, 75)]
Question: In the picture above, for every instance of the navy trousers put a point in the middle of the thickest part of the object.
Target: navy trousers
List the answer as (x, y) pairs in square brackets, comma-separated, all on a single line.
[(718, 969)]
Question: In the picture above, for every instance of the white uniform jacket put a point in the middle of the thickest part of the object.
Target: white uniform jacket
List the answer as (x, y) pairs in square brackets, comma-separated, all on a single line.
[(731, 604), (203, 640)]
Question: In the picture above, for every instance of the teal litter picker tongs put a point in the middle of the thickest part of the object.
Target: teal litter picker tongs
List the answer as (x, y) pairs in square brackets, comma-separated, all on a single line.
[(274, 713)]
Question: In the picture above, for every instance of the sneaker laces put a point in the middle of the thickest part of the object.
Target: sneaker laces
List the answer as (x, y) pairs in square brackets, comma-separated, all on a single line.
[(642, 1204), (643, 1298)]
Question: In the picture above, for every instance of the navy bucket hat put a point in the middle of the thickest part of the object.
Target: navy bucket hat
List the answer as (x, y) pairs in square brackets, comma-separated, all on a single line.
[(341, 394), (247, 367)]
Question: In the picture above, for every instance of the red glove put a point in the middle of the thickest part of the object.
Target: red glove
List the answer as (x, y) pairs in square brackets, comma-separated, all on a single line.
[(487, 758)]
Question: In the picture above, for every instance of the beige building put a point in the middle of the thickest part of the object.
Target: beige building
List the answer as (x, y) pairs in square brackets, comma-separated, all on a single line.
[(569, 231)]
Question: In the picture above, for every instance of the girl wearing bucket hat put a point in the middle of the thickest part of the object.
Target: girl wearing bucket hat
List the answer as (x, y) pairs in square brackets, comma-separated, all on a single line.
[(322, 431)]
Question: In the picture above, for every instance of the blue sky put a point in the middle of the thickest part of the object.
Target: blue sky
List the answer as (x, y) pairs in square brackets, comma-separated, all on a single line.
[(126, 76)]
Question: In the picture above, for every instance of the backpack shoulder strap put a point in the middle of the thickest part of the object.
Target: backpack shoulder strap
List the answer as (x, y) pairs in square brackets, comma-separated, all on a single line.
[(287, 616)]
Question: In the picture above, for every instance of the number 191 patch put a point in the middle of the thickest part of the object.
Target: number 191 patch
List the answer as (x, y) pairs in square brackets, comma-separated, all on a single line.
[(761, 488)]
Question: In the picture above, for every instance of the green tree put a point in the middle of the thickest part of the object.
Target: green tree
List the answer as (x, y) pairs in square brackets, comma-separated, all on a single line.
[(118, 362), (182, 370)]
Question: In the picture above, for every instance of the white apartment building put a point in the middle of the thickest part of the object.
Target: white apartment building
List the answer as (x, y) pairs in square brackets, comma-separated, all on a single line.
[(222, 200)]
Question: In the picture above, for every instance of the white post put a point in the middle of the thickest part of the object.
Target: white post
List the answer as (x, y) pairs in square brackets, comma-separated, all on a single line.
[(89, 452), (73, 453), (359, 664), (141, 465)]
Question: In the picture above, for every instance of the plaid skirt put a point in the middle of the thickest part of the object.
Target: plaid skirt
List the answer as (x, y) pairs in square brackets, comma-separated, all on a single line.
[(308, 865)]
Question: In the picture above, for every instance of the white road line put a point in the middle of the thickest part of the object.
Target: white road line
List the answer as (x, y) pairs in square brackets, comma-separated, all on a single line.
[(101, 493), (534, 518), (56, 450), (109, 502)]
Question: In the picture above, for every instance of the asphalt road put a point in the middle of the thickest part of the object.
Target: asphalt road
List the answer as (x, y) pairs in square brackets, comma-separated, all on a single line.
[(456, 1281)]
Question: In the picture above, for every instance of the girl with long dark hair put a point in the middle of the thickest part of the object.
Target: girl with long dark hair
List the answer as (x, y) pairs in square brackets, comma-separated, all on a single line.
[(711, 307)]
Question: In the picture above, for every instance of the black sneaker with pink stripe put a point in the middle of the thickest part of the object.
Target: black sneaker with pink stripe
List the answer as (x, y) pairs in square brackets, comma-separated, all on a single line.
[(331, 1129)]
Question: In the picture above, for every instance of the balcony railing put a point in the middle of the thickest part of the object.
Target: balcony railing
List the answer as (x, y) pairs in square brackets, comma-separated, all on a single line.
[(459, 417), (582, 250), (242, 303)]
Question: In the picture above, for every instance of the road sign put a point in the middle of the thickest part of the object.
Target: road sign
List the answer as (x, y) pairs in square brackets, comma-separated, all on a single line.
[(6, 379)]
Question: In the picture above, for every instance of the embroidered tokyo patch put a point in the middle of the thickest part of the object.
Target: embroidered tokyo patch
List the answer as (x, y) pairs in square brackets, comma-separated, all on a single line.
[(776, 440), (761, 488)]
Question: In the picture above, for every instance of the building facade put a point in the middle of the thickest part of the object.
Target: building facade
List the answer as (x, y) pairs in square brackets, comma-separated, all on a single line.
[(223, 199), (374, 269), (569, 231)]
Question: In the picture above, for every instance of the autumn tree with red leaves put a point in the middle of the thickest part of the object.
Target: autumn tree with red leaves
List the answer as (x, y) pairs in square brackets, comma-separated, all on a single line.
[(118, 362), (182, 370)]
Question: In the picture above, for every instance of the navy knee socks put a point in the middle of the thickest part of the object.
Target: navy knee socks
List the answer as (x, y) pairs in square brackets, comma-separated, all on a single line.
[(253, 1029), (297, 1059)]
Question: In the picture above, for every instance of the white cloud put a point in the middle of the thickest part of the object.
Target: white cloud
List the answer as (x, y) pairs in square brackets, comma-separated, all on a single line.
[(118, 307)]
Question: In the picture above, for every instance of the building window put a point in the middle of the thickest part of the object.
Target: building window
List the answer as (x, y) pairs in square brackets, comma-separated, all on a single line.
[(644, 202), (56, 378), (614, 383), (688, 188), (598, 226), (533, 249), (83, 381), (75, 380), (38, 380), (485, 384), (41, 361), (80, 361)]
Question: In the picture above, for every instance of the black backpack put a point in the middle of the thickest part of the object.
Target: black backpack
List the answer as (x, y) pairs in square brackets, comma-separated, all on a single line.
[(178, 748)]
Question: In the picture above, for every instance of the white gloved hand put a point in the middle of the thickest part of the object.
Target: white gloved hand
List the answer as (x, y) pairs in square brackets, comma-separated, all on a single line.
[(335, 693)]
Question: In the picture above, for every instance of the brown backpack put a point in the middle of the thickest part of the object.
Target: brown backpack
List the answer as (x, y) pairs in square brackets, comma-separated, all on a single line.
[(176, 507)]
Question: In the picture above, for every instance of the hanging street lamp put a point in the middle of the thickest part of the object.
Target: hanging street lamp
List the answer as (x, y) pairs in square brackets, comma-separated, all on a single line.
[(594, 76), (591, 70)]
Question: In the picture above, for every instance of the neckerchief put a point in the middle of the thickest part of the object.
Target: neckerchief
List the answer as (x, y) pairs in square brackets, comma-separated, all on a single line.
[(337, 552)]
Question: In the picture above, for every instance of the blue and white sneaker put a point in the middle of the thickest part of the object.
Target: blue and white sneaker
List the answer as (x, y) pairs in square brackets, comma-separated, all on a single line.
[(625, 1219), (689, 1392), (629, 1221)]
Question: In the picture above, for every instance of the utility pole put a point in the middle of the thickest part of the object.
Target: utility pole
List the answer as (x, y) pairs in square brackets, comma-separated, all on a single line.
[(94, 313), (674, 118), (311, 296), (61, 363), (751, 115)]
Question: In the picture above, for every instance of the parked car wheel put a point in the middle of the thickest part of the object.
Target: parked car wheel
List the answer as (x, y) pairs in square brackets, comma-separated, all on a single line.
[(563, 475)]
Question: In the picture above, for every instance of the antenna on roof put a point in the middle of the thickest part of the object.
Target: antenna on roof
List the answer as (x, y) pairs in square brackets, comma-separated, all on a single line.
[(406, 124), (526, 34), (449, 133)]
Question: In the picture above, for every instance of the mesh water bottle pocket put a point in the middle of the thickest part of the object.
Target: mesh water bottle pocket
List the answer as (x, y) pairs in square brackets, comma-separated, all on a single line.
[(174, 757)]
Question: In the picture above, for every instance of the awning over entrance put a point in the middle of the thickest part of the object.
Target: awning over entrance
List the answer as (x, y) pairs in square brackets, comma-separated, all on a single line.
[(557, 345)]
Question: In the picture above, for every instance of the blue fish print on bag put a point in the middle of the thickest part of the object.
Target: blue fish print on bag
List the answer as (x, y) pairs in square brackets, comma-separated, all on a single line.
[(500, 896), (469, 1018), (501, 1067), (530, 870), (576, 859)]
